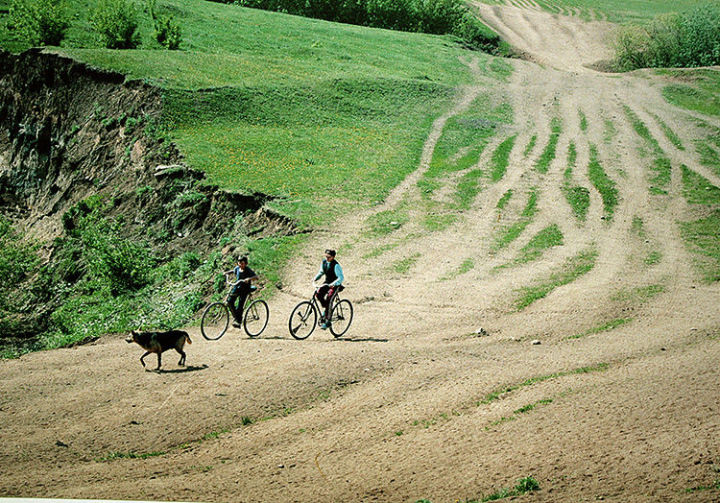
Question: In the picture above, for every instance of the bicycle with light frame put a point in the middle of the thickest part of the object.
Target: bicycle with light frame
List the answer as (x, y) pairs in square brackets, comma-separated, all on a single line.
[(306, 315), (216, 317)]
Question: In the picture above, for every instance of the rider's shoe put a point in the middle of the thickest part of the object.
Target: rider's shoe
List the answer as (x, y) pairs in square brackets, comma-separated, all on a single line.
[(324, 325), (237, 324)]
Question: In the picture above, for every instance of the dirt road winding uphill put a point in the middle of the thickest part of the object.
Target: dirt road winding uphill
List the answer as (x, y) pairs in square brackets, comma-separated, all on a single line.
[(618, 402)]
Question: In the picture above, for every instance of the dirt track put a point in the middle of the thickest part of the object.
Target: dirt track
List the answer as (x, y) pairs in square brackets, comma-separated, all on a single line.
[(395, 410)]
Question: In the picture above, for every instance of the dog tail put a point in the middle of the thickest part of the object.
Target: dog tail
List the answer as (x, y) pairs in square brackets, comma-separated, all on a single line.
[(187, 338)]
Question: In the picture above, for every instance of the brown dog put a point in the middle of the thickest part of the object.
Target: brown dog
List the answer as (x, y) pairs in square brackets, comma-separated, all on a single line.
[(158, 342)]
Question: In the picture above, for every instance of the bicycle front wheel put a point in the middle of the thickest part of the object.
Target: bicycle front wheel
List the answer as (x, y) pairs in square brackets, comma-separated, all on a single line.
[(256, 318), (303, 320), (341, 317), (215, 321)]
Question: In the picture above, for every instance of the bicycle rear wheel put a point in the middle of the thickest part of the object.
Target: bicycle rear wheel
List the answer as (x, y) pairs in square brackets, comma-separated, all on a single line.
[(215, 321), (256, 318), (341, 317), (303, 320)]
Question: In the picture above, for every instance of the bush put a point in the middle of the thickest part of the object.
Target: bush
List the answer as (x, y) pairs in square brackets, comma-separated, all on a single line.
[(116, 21), (688, 39), (39, 22), (167, 30), (426, 16)]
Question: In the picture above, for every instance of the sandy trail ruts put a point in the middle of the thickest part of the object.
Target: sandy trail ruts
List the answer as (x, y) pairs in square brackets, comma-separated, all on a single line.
[(398, 410)]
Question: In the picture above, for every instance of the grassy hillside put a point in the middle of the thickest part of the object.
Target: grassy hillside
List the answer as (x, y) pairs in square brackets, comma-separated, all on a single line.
[(324, 117)]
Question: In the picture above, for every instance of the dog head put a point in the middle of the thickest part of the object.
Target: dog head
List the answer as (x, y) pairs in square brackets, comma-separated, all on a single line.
[(133, 337)]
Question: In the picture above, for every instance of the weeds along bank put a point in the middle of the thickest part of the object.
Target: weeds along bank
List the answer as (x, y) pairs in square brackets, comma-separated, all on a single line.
[(101, 225)]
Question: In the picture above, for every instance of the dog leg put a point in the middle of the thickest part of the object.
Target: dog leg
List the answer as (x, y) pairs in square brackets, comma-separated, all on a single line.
[(158, 367), (142, 358), (182, 357)]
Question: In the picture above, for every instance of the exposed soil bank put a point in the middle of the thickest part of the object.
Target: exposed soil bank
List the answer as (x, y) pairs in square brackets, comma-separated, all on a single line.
[(69, 131)]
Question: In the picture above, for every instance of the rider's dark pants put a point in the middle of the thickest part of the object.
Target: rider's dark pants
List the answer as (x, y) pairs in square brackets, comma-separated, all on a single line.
[(238, 293), (324, 294)]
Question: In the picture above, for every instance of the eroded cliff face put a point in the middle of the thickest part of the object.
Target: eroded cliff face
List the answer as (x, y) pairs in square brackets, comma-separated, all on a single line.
[(69, 132)]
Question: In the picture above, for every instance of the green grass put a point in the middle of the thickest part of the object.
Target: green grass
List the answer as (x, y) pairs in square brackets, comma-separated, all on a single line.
[(669, 133), (642, 130), (661, 171), (699, 95), (639, 294), (465, 266), (508, 234), (548, 153), (496, 395), (572, 269), (403, 265), (701, 236), (547, 238), (530, 146), (572, 155), (500, 159), (583, 121), (653, 258), (697, 189), (505, 199), (577, 196), (605, 327), (524, 485), (610, 131), (603, 183)]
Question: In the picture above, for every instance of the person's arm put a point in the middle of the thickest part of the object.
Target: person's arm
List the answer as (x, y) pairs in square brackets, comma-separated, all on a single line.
[(339, 274), (319, 274)]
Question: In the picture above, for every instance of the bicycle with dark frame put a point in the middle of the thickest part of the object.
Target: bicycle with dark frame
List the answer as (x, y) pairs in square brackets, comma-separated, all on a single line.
[(216, 317), (308, 314)]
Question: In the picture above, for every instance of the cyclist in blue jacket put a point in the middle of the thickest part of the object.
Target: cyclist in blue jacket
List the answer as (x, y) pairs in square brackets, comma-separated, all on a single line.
[(241, 289), (333, 282)]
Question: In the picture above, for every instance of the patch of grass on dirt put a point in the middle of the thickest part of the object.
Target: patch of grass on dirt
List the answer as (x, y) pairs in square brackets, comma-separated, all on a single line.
[(609, 132), (403, 265), (385, 222), (131, 455), (605, 327), (548, 154), (524, 485), (603, 183), (642, 130), (496, 395), (500, 159), (708, 156), (467, 189), (547, 238), (577, 196), (653, 258), (701, 97), (669, 133), (703, 238), (576, 266), (714, 486), (662, 171), (638, 293), (505, 199), (637, 226), (583, 121), (571, 157), (530, 146), (510, 233), (467, 265), (697, 189)]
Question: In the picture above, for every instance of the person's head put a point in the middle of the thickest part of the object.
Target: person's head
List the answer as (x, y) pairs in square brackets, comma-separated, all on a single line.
[(242, 261), (329, 255)]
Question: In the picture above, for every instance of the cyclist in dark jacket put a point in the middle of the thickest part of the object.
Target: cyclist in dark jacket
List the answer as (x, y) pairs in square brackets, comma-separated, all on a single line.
[(333, 282), (243, 276)]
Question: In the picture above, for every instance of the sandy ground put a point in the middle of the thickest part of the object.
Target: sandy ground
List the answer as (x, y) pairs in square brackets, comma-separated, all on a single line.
[(396, 410)]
